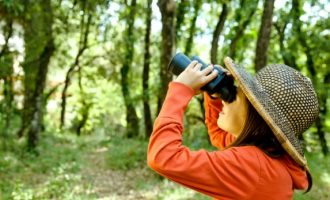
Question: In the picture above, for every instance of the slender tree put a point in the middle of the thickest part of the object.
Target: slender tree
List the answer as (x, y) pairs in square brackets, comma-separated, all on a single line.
[(180, 16), (6, 74), (320, 122), (167, 9), (145, 76), (39, 47), (188, 48), (287, 56), (192, 29), (131, 116), (217, 32), (83, 114), (85, 23), (264, 35), (302, 38), (243, 18), (8, 33)]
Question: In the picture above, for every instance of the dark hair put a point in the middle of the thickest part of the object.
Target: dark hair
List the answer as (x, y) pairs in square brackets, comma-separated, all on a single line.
[(256, 132)]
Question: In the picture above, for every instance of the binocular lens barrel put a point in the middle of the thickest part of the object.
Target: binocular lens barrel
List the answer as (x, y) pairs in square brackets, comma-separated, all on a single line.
[(179, 63), (222, 84)]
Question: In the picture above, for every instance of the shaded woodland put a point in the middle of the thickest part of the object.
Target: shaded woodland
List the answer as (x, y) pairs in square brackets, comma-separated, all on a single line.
[(85, 67)]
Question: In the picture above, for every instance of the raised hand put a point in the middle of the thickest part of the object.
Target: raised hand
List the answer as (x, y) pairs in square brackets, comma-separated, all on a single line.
[(196, 78)]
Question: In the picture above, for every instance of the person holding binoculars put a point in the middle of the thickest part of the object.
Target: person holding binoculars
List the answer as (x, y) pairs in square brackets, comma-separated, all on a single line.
[(255, 124)]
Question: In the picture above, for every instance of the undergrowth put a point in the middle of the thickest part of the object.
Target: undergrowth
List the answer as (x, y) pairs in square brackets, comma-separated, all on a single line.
[(57, 171)]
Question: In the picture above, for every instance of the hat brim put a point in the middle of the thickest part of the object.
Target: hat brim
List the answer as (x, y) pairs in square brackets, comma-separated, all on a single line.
[(267, 110)]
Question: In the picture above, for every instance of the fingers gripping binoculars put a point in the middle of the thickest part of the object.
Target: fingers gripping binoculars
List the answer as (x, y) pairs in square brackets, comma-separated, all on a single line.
[(222, 84)]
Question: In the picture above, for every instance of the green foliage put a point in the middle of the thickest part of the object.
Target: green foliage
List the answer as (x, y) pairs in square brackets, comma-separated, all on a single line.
[(59, 185), (67, 167), (6, 63), (126, 154), (13, 7), (58, 171), (53, 173), (319, 166)]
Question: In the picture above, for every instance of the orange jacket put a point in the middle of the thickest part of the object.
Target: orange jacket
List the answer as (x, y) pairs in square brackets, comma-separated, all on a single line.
[(234, 173)]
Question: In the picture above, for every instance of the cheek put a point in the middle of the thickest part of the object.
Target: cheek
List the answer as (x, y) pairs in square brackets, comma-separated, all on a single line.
[(225, 122), (232, 122)]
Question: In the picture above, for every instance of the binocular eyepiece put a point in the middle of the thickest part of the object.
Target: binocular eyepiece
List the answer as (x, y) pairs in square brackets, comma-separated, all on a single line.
[(222, 84)]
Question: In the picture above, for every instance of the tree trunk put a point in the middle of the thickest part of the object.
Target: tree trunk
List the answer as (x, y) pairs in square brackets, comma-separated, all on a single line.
[(145, 78), (287, 56), (264, 35), (296, 13), (38, 104), (6, 63), (240, 28), (192, 29), (320, 122), (85, 108), (8, 32), (85, 26), (182, 8), (6, 73), (167, 9), (131, 116), (39, 47), (217, 32), (189, 43)]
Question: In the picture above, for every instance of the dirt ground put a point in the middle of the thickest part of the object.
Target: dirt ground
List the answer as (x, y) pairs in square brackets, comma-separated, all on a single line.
[(111, 184)]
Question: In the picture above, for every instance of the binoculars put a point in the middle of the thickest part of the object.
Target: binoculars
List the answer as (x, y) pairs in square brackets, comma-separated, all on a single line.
[(222, 84)]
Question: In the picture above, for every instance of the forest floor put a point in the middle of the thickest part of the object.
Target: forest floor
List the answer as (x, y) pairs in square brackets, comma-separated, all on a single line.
[(105, 168), (84, 168), (117, 184), (131, 179)]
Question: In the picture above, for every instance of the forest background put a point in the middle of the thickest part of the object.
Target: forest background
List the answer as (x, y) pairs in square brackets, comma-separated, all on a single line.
[(82, 81)]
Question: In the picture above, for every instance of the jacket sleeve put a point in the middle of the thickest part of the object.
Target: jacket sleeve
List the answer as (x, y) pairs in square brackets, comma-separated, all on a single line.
[(219, 174), (218, 137)]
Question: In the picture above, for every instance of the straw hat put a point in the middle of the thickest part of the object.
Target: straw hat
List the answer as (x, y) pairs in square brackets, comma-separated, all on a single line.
[(284, 98)]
